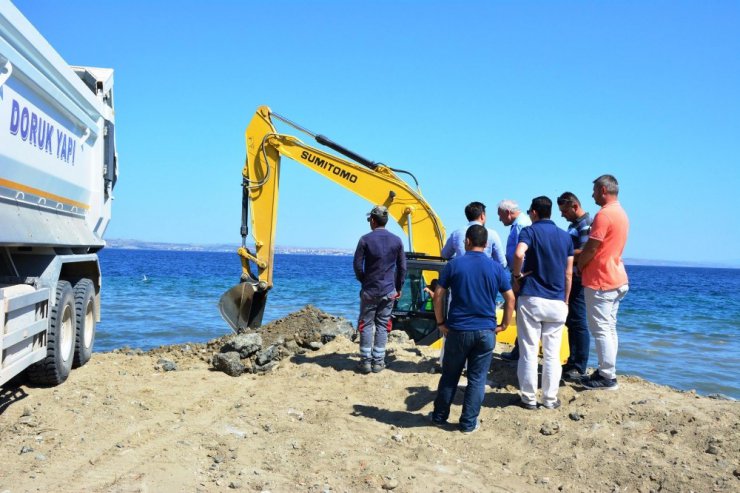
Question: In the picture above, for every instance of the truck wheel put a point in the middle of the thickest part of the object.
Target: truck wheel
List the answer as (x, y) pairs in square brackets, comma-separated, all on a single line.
[(60, 340), (85, 317)]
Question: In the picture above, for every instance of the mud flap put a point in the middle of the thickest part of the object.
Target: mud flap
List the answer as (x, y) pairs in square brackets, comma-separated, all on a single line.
[(243, 306)]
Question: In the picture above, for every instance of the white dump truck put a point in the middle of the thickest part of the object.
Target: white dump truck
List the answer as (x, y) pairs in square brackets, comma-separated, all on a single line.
[(58, 167)]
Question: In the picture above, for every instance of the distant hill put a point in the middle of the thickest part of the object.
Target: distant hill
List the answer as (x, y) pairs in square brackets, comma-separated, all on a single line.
[(195, 247), (231, 248), (730, 264)]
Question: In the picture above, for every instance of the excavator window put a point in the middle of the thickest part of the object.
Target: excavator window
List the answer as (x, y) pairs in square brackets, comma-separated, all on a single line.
[(414, 295), (413, 312)]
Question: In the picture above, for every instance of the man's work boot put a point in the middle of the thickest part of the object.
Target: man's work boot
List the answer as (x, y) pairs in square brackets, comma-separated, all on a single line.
[(365, 367)]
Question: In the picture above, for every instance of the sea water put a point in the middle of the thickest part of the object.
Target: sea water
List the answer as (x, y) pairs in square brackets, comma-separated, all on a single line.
[(677, 326)]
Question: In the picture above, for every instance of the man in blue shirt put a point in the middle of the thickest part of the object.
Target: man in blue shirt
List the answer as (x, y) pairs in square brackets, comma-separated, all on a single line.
[(380, 265), (579, 338), (542, 281), (475, 212), (474, 280), (510, 215)]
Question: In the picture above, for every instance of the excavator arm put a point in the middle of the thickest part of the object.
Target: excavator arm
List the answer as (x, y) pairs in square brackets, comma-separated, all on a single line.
[(243, 305)]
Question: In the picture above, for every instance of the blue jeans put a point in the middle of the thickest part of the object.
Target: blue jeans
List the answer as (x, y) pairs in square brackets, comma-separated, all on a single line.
[(579, 338), (476, 348)]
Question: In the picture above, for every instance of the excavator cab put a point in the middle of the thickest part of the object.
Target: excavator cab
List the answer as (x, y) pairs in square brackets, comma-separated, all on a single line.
[(413, 311)]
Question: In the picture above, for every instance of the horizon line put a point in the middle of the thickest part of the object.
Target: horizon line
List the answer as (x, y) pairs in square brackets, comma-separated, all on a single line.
[(120, 243)]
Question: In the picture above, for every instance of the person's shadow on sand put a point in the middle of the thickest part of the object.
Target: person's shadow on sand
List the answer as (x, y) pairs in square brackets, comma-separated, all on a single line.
[(348, 362), (420, 397), (337, 361), (401, 419), (394, 363)]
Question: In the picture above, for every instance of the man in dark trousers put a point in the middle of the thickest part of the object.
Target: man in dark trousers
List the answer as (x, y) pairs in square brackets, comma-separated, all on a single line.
[(474, 279), (380, 265), (578, 335)]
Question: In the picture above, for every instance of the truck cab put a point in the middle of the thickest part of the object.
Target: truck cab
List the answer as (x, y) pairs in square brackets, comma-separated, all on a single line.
[(58, 167)]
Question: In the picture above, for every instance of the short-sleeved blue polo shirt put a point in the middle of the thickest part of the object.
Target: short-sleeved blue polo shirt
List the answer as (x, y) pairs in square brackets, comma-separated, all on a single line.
[(546, 259), (474, 279)]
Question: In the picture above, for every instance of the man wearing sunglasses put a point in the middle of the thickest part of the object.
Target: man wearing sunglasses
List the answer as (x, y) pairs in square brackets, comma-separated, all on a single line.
[(578, 335)]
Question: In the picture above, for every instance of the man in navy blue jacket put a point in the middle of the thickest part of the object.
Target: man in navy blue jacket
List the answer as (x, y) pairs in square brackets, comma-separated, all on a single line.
[(380, 265)]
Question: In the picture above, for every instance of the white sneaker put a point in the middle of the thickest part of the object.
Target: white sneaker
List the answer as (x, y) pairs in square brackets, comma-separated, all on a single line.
[(470, 432)]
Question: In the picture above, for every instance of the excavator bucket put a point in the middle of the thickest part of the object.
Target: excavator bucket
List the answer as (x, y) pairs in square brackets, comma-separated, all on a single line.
[(242, 306)]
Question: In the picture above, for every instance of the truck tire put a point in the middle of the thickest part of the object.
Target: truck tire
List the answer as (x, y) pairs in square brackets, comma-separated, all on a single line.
[(60, 340), (85, 317)]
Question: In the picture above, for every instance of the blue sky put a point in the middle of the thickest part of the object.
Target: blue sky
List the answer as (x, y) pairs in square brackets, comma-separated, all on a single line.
[(480, 100)]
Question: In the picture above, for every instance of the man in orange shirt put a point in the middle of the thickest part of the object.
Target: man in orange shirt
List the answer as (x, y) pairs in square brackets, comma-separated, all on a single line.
[(604, 279)]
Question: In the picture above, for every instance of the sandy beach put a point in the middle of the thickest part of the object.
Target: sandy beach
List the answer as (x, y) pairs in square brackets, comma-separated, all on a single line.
[(124, 423)]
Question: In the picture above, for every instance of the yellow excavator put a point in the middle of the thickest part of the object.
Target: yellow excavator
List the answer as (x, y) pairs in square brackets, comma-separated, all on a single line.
[(243, 305)]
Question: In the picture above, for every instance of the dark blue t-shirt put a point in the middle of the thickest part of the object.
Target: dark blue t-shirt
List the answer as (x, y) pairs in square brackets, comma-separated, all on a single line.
[(474, 279), (546, 259)]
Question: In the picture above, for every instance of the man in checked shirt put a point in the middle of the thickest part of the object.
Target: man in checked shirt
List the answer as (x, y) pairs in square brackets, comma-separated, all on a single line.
[(578, 334)]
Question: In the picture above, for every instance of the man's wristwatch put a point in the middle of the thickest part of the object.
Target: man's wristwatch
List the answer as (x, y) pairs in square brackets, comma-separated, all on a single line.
[(517, 276), (440, 323)]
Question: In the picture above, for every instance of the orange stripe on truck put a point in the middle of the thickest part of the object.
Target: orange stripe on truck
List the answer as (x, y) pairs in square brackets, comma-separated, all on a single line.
[(41, 193)]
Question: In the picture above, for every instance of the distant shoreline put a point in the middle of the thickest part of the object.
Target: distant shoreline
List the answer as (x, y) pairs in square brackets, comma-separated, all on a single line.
[(119, 244), (218, 248)]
